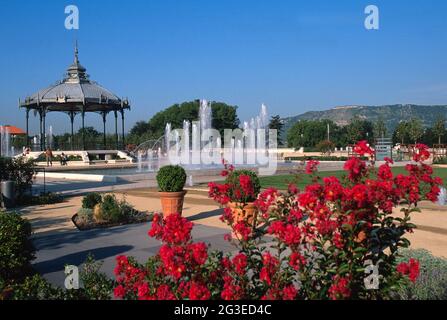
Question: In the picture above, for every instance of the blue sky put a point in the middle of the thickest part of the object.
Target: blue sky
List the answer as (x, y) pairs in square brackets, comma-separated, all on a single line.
[(294, 56)]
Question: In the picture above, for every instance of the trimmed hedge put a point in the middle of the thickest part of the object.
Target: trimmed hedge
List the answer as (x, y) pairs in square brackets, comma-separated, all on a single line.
[(171, 178)]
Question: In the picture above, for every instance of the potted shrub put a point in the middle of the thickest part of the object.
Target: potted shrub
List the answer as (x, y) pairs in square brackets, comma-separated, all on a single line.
[(243, 189), (171, 180)]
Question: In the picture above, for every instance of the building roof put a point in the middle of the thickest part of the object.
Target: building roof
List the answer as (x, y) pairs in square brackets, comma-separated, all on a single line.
[(13, 130), (74, 93)]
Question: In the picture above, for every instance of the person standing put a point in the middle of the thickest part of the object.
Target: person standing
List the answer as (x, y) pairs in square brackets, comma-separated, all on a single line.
[(49, 156)]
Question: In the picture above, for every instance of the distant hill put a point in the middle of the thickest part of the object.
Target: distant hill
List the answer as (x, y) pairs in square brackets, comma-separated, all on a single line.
[(391, 114)]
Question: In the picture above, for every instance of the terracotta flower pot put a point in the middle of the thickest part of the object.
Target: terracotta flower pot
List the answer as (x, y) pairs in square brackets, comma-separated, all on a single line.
[(241, 212), (172, 202)]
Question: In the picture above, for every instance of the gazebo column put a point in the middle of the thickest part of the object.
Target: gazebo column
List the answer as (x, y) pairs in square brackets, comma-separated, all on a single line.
[(104, 116), (122, 127), (27, 127), (40, 130), (83, 129), (116, 129), (72, 116), (44, 130)]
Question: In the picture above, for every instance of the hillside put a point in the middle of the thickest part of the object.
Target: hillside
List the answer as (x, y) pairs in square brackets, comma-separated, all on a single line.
[(391, 114)]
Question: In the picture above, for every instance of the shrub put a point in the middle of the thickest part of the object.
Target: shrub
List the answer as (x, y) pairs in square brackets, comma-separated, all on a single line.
[(107, 209), (85, 216), (32, 288), (111, 210), (42, 199), (98, 213), (243, 185), (16, 249), (432, 282), (325, 147), (19, 170), (91, 200), (94, 285), (171, 178), (127, 210)]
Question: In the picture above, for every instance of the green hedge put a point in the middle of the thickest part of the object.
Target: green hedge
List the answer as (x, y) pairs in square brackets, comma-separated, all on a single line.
[(171, 178), (440, 160), (319, 158), (16, 249)]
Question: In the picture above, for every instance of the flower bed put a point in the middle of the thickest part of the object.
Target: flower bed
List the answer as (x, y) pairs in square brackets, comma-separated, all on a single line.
[(336, 239), (106, 211)]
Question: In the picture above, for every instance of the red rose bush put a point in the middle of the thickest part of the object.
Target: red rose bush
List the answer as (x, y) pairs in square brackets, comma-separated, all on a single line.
[(336, 239)]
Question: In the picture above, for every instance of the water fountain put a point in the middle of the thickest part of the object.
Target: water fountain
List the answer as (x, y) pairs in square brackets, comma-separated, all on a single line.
[(49, 138), (167, 134), (205, 115), (442, 197), (150, 160), (244, 149), (5, 142), (185, 143), (140, 161)]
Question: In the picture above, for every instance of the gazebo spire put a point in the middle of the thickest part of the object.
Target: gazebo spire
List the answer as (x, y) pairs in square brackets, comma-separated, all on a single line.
[(76, 72), (76, 52)]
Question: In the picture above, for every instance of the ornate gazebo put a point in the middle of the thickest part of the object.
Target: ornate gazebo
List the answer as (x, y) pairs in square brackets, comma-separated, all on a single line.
[(75, 94)]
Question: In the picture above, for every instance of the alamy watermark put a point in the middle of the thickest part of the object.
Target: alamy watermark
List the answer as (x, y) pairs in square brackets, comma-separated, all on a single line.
[(71, 277), (372, 19), (248, 147), (372, 281), (72, 19)]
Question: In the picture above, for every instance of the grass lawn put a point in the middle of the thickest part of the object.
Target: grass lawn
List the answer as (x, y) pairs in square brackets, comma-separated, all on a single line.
[(282, 181)]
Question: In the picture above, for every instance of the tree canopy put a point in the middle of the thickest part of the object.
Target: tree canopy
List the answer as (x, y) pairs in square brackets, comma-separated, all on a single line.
[(276, 123), (309, 133), (224, 117)]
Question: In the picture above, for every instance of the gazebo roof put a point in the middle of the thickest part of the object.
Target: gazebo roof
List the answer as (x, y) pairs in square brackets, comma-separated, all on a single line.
[(74, 93)]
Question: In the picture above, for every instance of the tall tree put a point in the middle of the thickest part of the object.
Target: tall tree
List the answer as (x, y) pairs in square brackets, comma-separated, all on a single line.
[(401, 132), (140, 128), (308, 133), (380, 128), (439, 128), (359, 129), (276, 123), (415, 129)]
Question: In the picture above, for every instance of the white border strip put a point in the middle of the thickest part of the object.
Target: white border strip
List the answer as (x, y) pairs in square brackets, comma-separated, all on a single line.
[(78, 176)]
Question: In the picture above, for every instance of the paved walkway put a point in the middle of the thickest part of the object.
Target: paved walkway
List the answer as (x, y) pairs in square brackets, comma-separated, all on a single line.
[(59, 243), (55, 250)]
